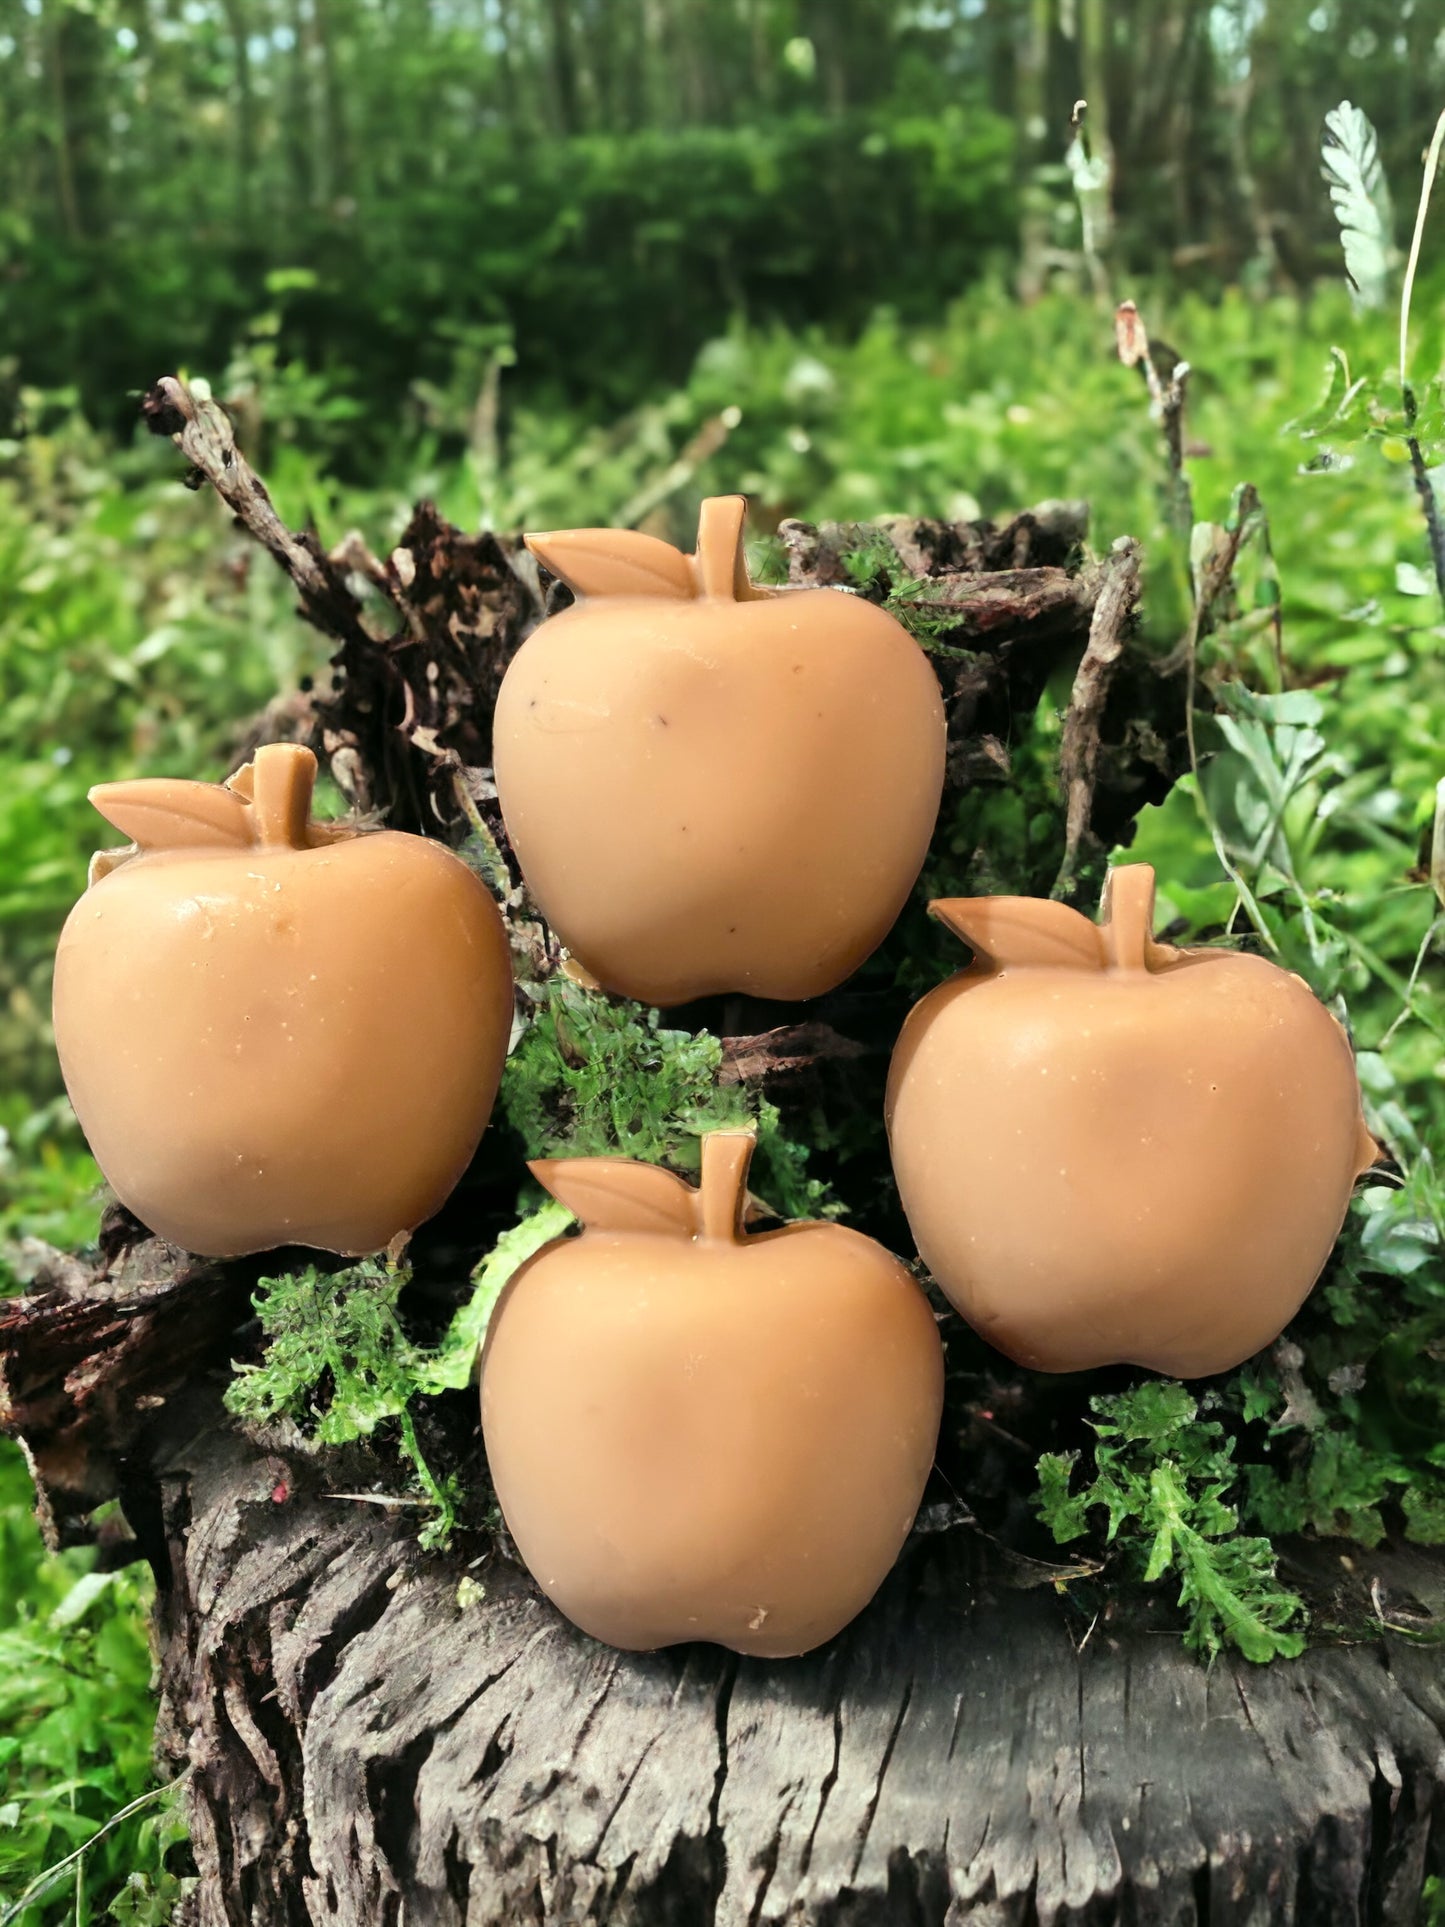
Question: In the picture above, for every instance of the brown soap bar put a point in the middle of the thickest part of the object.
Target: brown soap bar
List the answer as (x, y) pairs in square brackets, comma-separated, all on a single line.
[(1114, 1151), (711, 786), (697, 1434), (276, 1031)]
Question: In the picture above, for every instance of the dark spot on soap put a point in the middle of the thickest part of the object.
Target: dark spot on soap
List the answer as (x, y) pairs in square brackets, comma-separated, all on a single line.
[(797, 669), (663, 721)]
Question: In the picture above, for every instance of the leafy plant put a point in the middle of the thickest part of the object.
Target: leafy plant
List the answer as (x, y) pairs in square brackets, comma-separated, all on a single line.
[(338, 1364), (1358, 1417), (1162, 1475), (594, 1076), (76, 1715)]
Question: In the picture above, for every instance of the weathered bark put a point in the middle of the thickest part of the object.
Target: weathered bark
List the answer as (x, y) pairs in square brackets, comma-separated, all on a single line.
[(367, 1748)]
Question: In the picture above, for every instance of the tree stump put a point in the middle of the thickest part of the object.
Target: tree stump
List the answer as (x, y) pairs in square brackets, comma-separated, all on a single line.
[(375, 1735)]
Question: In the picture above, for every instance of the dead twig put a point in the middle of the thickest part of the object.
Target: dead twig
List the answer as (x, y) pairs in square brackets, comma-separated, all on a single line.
[(1212, 577), (1079, 751), (774, 1053), (201, 429), (1166, 375)]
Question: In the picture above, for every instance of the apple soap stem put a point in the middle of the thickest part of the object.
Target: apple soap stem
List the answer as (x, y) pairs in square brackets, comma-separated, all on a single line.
[(1128, 927), (722, 1188), (282, 781), (721, 567)]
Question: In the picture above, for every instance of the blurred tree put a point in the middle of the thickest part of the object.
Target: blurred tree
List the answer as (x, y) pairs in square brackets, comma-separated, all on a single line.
[(611, 180)]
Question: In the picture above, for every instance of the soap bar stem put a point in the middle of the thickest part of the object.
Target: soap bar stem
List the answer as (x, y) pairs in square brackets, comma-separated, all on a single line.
[(726, 1156), (721, 566), (284, 776), (1128, 929)]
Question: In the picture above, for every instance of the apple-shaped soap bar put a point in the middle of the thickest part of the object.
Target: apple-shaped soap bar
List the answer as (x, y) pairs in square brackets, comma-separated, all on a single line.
[(1114, 1151), (696, 1434), (276, 1031), (712, 786)]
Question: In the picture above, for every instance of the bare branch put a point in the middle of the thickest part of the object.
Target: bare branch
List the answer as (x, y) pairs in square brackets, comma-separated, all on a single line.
[(201, 429), (1079, 751)]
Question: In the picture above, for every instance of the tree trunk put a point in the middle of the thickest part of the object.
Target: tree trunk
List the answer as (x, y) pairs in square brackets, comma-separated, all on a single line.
[(564, 66), (240, 31)]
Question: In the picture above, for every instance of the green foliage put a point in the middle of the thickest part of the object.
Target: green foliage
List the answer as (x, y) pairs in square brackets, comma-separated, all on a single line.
[(597, 1076), (76, 1712), (49, 1183), (608, 256), (451, 1367), (1357, 1423), (1301, 830), (1161, 1476), (338, 1363)]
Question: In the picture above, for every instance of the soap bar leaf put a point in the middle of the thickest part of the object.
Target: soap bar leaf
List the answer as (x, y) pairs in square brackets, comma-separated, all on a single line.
[(620, 1194), (615, 562), (169, 813), (1022, 930)]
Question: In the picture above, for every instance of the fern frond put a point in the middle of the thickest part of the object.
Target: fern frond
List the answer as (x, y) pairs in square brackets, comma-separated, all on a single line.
[(1360, 196)]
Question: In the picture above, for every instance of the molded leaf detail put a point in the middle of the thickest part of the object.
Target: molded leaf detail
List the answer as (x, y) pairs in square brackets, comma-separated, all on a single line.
[(167, 812), (1022, 930), (615, 562), (267, 803), (620, 1194)]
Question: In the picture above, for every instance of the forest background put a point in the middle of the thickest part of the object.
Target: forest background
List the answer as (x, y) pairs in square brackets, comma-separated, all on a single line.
[(570, 261)]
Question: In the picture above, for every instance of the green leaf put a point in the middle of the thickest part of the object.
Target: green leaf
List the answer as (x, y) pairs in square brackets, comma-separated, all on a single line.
[(1064, 1513), (90, 1587), (1360, 196), (453, 1364)]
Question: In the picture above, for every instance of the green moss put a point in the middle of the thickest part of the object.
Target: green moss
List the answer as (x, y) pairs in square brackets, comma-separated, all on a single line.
[(595, 1076), (1162, 1476)]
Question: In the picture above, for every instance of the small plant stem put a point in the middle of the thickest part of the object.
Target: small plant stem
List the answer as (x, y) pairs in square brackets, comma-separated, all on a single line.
[(1424, 487), (726, 1156), (493, 863), (1407, 1006), (1128, 929), (721, 569), (429, 1482), (284, 777), (1432, 162)]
